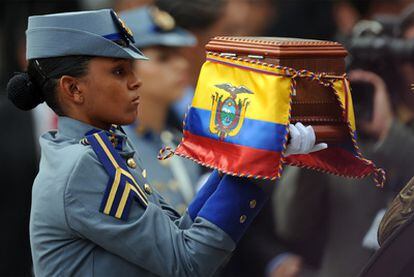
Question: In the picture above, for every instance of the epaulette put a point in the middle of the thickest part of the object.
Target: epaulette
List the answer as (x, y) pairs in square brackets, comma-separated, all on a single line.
[(122, 187)]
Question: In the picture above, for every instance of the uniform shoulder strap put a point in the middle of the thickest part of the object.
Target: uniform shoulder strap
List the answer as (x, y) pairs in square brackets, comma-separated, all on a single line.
[(122, 187)]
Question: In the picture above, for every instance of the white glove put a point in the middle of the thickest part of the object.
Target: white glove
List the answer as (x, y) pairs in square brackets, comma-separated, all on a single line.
[(302, 140)]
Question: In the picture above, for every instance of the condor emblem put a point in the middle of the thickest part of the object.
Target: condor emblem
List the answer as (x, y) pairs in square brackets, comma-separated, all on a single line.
[(227, 113)]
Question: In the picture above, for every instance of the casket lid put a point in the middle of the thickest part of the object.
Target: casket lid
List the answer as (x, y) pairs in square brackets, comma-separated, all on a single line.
[(276, 47)]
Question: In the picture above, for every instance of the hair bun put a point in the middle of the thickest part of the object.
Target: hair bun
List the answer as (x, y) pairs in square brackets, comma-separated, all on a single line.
[(23, 92)]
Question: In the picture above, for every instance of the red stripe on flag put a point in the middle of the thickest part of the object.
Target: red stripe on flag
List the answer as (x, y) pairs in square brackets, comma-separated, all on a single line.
[(334, 160), (230, 157)]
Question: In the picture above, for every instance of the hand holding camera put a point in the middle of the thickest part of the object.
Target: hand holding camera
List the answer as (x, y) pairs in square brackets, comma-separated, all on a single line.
[(382, 116)]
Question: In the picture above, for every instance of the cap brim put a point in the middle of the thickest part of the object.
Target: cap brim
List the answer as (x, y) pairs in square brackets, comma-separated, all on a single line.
[(135, 53)]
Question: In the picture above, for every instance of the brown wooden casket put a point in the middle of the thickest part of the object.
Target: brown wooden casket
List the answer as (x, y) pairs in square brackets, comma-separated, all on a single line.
[(313, 104)]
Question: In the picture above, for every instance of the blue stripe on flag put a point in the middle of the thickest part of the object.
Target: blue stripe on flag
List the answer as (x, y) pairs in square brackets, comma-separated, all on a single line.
[(254, 133)]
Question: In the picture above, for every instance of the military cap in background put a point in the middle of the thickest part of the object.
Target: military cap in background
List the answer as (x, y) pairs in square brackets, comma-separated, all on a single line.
[(152, 26), (93, 33)]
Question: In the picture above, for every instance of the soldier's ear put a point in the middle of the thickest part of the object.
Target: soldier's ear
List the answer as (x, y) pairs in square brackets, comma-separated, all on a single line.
[(71, 90)]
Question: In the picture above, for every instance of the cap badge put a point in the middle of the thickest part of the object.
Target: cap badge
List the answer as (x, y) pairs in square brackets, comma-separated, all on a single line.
[(125, 30), (162, 19)]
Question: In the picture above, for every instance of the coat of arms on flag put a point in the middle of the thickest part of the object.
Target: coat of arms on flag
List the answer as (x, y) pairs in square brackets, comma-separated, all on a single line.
[(228, 111)]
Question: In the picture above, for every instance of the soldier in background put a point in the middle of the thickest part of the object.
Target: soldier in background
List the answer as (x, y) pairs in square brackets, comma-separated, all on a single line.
[(161, 41)]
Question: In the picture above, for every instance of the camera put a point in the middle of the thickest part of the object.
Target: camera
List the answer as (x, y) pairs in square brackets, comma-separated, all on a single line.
[(375, 46), (376, 42)]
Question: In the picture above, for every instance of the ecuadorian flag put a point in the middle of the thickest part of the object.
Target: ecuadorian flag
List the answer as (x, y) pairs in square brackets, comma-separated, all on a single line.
[(239, 117)]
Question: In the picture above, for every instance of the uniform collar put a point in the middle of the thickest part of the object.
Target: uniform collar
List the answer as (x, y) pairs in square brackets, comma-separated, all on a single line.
[(72, 128)]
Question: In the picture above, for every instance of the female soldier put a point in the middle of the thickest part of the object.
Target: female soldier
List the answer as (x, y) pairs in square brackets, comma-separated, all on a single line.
[(92, 215), (161, 41)]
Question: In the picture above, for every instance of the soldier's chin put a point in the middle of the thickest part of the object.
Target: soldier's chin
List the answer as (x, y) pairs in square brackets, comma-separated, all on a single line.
[(127, 120)]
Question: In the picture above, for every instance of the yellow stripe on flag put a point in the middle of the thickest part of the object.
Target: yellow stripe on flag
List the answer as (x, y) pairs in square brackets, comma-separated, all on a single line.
[(344, 94), (271, 94)]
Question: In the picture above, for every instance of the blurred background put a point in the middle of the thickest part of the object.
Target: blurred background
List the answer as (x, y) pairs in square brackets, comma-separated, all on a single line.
[(315, 224)]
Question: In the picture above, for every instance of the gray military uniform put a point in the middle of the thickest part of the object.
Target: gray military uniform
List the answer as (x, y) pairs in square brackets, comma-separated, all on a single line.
[(69, 236)]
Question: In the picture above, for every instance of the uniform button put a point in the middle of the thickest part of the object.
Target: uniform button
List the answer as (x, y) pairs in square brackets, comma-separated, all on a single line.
[(243, 218), (131, 163), (144, 173), (253, 204), (147, 189)]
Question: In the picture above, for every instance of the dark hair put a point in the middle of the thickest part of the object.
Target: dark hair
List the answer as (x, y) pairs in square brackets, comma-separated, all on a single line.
[(38, 84), (195, 14)]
